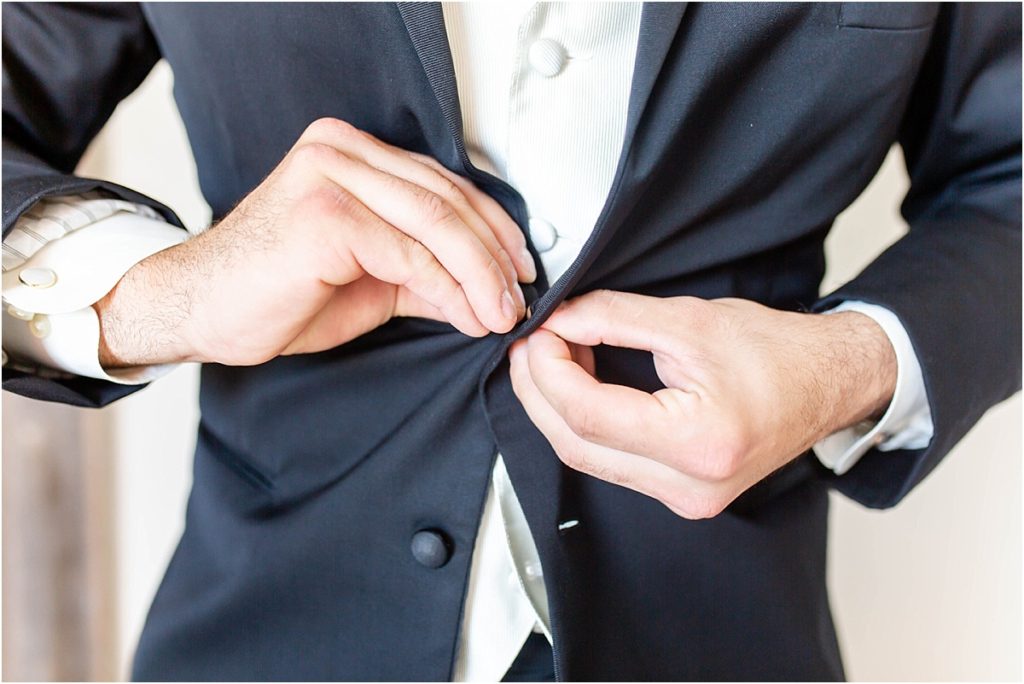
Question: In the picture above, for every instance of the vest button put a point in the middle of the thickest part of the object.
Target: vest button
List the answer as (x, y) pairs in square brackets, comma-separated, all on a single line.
[(543, 234), (547, 57), (431, 548)]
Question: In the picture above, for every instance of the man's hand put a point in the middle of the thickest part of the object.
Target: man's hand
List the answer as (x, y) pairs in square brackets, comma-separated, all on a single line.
[(346, 233), (748, 388)]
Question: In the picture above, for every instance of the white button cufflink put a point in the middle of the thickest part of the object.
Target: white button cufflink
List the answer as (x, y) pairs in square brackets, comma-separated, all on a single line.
[(39, 326), (37, 277), (18, 313)]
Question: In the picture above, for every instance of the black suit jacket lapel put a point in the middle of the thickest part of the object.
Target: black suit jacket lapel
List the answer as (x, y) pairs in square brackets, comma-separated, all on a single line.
[(425, 23), (658, 25)]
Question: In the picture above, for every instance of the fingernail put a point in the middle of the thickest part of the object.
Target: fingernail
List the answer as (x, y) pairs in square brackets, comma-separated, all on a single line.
[(520, 297), (508, 307), (531, 268)]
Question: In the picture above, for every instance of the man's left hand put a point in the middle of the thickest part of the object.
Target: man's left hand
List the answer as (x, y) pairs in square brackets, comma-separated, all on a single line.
[(747, 389)]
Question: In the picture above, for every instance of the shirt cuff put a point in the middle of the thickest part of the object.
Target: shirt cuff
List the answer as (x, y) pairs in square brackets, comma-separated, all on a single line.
[(906, 424), (68, 342), (48, 320), (77, 270)]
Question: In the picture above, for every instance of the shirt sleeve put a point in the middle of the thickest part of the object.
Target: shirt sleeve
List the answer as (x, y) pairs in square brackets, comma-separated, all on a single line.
[(906, 424), (60, 258)]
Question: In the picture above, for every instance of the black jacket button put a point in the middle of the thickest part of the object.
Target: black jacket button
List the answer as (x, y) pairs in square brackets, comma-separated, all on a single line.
[(431, 548)]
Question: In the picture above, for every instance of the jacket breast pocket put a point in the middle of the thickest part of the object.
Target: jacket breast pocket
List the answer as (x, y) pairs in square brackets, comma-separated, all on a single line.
[(888, 16)]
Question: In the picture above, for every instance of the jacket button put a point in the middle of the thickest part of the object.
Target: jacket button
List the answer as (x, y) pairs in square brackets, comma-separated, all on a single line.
[(431, 548)]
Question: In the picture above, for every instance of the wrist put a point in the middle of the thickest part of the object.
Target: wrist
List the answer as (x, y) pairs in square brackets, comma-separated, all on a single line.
[(860, 368), (141, 318)]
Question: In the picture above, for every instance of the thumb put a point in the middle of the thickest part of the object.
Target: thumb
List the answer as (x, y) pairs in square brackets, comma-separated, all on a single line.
[(584, 357), (409, 304), (619, 319)]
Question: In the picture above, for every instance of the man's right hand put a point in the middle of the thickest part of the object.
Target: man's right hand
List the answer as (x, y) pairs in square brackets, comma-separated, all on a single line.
[(346, 233)]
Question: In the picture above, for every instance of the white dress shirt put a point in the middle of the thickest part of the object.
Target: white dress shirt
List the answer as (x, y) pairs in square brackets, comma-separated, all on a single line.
[(544, 89)]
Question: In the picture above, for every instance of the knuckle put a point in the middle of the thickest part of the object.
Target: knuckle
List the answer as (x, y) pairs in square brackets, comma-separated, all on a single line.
[(418, 258), (731, 453), (718, 459), (728, 467), (313, 154), (604, 302), (436, 210), (312, 205), (678, 503), (422, 159), (708, 507), (327, 200), (603, 297), (697, 505), (455, 179), (426, 160), (572, 457), (714, 466), (581, 422), (508, 269), (697, 311), (449, 191), (495, 274), (430, 279), (329, 126), (397, 186)]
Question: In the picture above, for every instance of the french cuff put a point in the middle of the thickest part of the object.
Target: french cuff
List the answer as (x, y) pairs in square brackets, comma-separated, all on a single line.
[(49, 321), (906, 424), (78, 269)]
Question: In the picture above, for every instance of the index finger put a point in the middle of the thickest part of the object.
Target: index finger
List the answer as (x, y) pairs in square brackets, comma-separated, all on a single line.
[(612, 465), (619, 319), (430, 221), (615, 416), (505, 229)]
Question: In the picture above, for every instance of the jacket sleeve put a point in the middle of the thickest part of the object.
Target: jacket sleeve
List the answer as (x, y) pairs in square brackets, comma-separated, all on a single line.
[(954, 280), (65, 69)]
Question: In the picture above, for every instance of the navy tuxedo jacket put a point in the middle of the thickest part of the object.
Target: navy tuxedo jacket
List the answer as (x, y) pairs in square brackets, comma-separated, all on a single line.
[(750, 127)]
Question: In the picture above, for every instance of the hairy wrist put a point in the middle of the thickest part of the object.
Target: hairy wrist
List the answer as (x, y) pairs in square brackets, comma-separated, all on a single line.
[(860, 368), (142, 317)]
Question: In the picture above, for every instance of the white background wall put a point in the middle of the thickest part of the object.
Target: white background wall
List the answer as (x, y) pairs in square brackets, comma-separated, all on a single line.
[(928, 591)]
